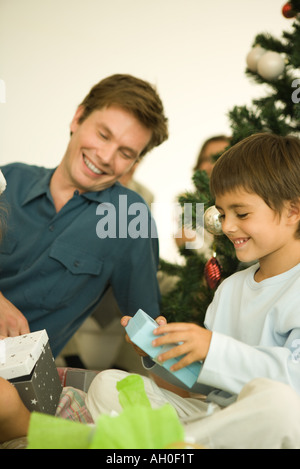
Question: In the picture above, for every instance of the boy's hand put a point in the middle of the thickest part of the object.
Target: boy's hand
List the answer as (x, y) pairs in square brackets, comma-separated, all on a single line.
[(124, 321), (194, 342)]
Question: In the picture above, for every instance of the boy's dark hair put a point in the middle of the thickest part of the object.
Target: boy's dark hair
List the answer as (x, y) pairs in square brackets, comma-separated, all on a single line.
[(135, 96), (265, 164)]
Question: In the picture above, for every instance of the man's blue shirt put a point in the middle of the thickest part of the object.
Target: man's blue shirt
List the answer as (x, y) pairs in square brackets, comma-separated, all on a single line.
[(55, 268)]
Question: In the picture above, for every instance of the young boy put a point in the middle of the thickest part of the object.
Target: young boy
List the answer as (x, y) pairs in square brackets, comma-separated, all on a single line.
[(253, 324)]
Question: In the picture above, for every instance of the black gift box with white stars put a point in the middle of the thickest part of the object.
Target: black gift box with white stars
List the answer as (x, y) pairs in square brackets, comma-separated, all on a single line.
[(31, 369)]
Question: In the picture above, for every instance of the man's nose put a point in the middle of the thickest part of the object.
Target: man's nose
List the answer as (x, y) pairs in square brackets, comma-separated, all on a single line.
[(106, 154)]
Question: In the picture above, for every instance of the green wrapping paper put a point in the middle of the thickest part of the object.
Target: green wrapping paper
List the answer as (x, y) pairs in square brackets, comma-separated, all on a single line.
[(48, 432), (132, 392), (137, 427)]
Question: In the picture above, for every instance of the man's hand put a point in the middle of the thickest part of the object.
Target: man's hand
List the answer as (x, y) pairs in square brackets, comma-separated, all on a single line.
[(161, 321), (12, 321)]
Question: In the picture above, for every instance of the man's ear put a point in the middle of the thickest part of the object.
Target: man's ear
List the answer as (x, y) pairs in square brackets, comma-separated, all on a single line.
[(74, 123)]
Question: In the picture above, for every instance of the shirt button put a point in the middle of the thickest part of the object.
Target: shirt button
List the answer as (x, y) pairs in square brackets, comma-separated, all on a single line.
[(51, 228), (76, 263)]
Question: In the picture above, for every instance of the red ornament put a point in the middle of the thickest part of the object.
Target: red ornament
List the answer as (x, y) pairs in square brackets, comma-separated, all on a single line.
[(287, 11), (213, 272)]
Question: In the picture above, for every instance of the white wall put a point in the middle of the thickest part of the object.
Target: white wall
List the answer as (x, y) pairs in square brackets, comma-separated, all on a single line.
[(53, 51)]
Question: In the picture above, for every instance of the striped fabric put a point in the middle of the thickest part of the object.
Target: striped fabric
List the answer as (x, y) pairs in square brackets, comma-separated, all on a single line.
[(72, 406)]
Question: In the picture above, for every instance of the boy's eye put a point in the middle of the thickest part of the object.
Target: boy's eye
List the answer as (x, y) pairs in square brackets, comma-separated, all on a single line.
[(242, 215), (102, 135), (221, 217)]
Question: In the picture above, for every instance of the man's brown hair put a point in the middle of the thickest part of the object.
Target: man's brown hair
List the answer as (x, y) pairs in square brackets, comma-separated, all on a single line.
[(135, 96), (265, 164)]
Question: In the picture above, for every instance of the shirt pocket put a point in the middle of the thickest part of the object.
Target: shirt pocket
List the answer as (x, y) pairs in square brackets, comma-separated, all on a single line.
[(74, 260), (69, 275)]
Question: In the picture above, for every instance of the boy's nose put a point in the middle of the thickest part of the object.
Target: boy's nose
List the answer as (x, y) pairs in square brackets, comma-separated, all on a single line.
[(229, 225)]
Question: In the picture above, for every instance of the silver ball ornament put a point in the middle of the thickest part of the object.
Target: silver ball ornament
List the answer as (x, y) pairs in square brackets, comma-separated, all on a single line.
[(253, 57), (270, 66), (212, 221)]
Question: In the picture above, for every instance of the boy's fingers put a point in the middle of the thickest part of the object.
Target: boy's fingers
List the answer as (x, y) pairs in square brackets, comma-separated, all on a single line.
[(161, 320), (125, 320)]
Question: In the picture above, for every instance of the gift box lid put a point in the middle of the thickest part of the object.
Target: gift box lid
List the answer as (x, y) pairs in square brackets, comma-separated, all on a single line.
[(18, 355)]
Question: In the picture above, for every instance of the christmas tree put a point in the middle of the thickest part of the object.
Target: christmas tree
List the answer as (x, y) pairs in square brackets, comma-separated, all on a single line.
[(272, 62)]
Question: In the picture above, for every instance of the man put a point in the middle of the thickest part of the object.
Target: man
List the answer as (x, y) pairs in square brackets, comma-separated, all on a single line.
[(55, 263)]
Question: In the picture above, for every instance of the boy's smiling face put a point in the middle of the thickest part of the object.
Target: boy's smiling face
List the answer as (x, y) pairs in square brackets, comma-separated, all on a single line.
[(257, 231)]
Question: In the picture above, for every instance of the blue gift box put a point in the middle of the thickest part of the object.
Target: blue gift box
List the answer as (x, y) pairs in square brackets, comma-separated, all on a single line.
[(140, 331)]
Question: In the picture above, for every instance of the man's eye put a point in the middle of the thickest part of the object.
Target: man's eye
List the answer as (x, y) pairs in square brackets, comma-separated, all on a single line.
[(102, 135), (126, 155), (242, 215)]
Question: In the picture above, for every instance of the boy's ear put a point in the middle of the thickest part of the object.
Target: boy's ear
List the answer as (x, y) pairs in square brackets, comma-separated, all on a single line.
[(293, 211)]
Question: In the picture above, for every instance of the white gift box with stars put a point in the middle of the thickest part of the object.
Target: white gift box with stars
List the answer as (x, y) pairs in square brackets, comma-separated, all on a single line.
[(27, 362)]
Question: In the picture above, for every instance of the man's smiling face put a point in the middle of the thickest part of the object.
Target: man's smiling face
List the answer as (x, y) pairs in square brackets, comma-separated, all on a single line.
[(103, 147)]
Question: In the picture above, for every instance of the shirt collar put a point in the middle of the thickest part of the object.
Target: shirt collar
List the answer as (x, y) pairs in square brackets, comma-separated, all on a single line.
[(41, 187), (101, 196)]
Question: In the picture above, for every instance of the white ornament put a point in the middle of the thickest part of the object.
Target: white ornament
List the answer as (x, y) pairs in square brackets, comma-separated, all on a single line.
[(270, 66), (253, 57), (2, 182), (212, 221)]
